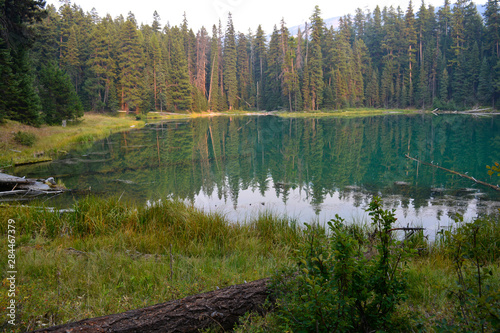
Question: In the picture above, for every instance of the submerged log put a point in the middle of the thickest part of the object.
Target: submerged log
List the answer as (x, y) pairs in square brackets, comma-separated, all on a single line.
[(220, 308), (495, 187)]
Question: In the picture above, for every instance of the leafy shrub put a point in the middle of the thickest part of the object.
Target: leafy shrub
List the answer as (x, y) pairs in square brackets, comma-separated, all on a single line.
[(25, 138), (341, 286), (473, 248)]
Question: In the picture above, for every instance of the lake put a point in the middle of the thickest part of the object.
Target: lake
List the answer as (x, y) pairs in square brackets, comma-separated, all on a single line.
[(309, 169)]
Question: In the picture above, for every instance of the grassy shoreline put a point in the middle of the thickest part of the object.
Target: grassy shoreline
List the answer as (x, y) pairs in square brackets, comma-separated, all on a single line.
[(52, 140), (110, 256)]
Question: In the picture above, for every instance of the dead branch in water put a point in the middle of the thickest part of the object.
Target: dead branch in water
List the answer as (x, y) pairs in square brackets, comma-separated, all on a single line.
[(495, 187)]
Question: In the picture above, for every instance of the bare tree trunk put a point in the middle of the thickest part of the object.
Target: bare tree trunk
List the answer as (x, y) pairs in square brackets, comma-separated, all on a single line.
[(220, 308)]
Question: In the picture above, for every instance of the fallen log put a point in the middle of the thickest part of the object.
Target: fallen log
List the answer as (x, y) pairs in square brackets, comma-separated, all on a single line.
[(220, 308), (495, 187)]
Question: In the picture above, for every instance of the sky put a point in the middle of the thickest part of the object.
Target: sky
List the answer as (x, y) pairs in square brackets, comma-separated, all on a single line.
[(247, 14)]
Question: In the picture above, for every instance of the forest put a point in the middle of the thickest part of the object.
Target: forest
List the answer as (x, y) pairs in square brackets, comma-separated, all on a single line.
[(55, 64)]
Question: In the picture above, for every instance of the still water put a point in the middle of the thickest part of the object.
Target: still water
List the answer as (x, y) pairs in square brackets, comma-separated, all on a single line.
[(309, 169)]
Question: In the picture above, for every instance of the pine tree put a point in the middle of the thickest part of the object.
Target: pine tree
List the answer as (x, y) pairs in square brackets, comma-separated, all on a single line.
[(213, 94), (374, 38), (130, 63), (157, 67), (274, 64), (24, 106), (58, 97), (8, 83), (289, 77), (19, 100), (411, 42), (243, 72), (229, 61), (178, 82), (71, 58), (202, 50), (46, 47), (260, 67), (492, 25), (156, 22), (443, 86), (485, 88), (102, 66), (314, 62)]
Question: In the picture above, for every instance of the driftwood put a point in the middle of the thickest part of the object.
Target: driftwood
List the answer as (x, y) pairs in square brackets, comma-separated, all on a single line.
[(495, 187), (12, 186), (220, 308)]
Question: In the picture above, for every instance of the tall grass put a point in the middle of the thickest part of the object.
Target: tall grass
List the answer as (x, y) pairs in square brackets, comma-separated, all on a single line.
[(109, 256), (51, 139)]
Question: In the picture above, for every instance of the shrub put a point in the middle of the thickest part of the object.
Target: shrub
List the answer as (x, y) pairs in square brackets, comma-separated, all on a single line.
[(473, 248), (339, 285), (25, 138)]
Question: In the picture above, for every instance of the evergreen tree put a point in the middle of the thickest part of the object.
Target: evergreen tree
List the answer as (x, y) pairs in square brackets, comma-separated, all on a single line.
[(314, 61), (374, 38), (102, 66), (411, 42), (8, 83), (260, 67), (178, 80), (46, 47), (274, 64), (485, 87), (492, 26), (213, 94), (243, 72), (156, 22), (58, 97), (444, 86), (130, 62), (229, 61), (19, 100), (202, 50), (71, 58), (289, 76)]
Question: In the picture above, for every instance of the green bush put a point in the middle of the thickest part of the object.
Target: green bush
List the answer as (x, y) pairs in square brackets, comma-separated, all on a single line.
[(25, 138), (340, 285), (474, 248)]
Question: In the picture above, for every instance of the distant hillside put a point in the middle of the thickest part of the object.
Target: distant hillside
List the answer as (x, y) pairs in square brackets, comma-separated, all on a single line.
[(331, 22)]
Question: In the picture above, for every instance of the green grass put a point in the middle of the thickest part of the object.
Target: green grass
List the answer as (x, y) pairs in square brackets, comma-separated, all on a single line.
[(109, 256), (344, 113), (52, 140)]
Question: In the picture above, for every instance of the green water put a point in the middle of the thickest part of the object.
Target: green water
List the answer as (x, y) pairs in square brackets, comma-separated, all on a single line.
[(310, 169)]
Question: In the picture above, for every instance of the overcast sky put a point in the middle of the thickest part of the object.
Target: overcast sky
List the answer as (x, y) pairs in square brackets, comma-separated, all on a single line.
[(246, 13)]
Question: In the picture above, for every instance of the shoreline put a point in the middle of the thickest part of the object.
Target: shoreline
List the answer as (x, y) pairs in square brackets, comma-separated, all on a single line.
[(51, 141)]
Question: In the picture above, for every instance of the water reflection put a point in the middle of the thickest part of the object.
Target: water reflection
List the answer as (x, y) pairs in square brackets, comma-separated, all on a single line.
[(306, 168)]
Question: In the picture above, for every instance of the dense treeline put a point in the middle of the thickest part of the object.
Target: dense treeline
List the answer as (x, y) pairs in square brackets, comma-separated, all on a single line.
[(388, 58)]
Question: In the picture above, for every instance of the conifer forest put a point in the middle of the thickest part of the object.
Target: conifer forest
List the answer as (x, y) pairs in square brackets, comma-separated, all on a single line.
[(55, 64)]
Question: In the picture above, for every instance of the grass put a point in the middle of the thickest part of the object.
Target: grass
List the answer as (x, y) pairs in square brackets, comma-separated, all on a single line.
[(51, 140), (344, 113), (109, 256)]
